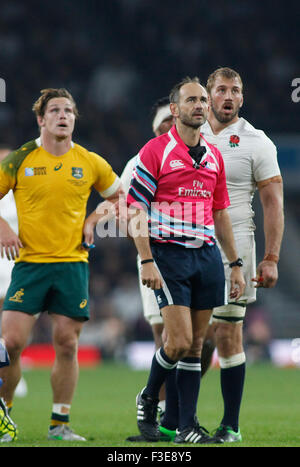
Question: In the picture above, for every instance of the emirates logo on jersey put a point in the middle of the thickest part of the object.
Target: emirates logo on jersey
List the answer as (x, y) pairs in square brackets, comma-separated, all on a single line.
[(234, 141)]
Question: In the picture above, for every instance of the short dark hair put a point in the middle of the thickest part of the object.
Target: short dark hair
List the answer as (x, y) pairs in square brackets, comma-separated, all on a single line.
[(174, 94), (225, 72), (39, 106)]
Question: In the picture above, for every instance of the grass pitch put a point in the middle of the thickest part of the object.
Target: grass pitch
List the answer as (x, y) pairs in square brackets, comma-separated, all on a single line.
[(104, 411)]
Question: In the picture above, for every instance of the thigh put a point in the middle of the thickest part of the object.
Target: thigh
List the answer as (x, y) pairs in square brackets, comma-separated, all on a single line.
[(16, 328), (200, 323), (177, 323)]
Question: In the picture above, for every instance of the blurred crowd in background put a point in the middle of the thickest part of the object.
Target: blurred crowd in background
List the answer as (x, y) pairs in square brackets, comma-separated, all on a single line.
[(117, 58)]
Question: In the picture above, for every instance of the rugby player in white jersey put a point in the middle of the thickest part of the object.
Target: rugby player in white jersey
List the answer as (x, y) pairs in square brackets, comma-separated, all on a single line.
[(250, 159)]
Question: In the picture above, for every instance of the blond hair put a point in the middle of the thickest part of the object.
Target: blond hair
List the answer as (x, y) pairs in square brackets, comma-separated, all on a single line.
[(40, 105), (225, 72)]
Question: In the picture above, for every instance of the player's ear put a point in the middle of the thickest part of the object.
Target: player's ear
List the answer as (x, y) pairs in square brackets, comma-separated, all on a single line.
[(242, 101), (174, 109), (40, 120), (209, 101)]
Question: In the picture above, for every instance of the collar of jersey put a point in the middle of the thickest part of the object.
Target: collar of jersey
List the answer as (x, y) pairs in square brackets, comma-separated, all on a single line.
[(38, 142), (175, 134)]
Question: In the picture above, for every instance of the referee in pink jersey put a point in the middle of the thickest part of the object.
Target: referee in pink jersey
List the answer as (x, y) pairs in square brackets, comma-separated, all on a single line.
[(177, 204)]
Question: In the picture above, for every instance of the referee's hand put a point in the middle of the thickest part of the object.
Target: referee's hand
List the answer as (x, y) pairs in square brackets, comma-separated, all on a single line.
[(150, 276), (237, 283)]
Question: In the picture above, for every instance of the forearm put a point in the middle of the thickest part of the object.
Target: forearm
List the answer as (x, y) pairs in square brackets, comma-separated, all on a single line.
[(103, 213), (273, 228), (224, 234), (138, 230), (272, 202)]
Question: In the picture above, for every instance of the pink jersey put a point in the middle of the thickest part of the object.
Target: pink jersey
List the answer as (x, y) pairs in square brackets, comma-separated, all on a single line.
[(179, 197)]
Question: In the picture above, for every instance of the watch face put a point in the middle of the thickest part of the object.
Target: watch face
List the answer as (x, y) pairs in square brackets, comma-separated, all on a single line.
[(238, 262)]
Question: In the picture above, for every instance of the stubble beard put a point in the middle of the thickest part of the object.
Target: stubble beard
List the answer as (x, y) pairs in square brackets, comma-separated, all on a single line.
[(224, 118), (187, 121)]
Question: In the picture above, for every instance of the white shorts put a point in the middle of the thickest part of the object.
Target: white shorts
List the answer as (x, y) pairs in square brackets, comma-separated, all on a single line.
[(235, 312), (150, 306)]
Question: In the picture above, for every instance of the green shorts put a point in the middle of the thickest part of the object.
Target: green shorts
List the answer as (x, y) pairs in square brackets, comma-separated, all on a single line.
[(60, 288)]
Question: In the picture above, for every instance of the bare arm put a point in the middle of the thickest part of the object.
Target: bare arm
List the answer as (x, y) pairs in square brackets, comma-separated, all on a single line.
[(271, 196), (138, 230), (10, 243), (225, 236), (103, 213)]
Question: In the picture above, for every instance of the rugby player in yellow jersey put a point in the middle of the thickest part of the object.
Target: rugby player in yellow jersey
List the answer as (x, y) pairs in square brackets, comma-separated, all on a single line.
[(51, 178)]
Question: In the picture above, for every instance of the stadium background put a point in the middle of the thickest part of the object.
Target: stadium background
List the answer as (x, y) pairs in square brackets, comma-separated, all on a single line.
[(117, 57)]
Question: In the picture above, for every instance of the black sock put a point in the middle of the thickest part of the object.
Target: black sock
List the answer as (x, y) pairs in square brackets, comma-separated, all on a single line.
[(188, 384), (232, 384), (170, 418), (161, 365)]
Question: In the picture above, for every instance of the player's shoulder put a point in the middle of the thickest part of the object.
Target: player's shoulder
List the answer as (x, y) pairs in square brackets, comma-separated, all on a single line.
[(87, 155), (257, 136), (84, 152), (12, 162), (131, 163)]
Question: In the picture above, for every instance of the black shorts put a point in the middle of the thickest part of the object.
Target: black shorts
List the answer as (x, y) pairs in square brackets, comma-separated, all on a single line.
[(193, 277)]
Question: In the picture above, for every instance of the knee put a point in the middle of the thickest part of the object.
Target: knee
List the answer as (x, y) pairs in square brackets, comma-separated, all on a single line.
[(66, 346), (229, 339), (14, 346), (178, 348)]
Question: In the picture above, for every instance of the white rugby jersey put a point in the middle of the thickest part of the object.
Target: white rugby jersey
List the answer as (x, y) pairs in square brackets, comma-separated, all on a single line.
[(249, 157), (128, 173)]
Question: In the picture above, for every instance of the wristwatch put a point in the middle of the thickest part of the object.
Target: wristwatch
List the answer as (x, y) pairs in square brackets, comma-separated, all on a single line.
[(239, 262)]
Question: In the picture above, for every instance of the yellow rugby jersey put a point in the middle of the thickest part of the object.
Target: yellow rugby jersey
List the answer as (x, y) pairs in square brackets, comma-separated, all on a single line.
[(51, 194)]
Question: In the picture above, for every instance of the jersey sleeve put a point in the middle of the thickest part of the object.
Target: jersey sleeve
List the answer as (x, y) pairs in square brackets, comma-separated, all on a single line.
[(221, 197), (265, 164), (8, 172), (145, 178), (107, 181), (127, 173)]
